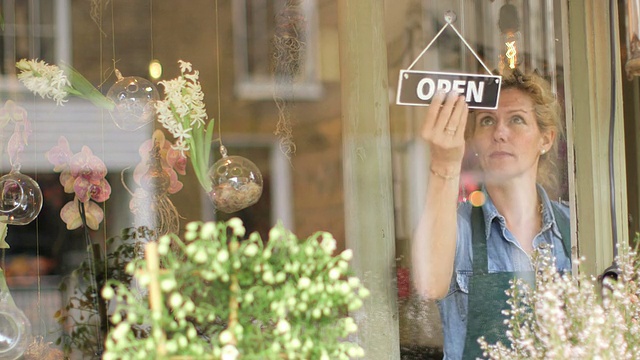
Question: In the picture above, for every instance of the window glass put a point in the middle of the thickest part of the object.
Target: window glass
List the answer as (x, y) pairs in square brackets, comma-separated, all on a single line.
[(526, 34)]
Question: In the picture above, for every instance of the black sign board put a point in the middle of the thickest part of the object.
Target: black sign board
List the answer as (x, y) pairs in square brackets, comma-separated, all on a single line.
[(418, 88)]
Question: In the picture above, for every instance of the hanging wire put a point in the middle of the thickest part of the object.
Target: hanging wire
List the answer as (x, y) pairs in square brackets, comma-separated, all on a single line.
[(38, 256), (151, 27), (223, 149)]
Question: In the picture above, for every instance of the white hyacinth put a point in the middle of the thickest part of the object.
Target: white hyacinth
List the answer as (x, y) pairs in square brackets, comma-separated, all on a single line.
[(48, 81), (183, 107)]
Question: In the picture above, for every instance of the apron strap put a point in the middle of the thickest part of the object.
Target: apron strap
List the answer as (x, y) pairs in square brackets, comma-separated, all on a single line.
[(563, 226), (479, 242)]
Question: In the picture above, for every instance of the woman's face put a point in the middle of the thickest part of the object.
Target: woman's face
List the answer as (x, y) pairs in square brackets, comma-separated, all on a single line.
[(508, 140)]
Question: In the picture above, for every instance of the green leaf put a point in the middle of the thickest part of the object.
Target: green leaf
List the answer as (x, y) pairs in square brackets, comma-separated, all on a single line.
[(85, 89)]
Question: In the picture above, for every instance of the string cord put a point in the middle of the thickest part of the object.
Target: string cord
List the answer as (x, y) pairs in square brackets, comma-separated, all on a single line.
[(218, 80)]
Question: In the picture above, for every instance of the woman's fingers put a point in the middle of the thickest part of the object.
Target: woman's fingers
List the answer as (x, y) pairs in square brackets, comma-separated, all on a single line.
[(433, 113), (446, 116), (458, 119), (445, 113)]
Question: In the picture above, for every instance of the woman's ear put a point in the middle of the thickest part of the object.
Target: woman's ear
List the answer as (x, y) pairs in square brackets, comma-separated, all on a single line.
[(548, 139)]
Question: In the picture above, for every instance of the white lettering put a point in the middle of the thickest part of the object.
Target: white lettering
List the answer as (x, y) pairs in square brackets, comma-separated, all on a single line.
[(459, 85), (475, 90), (422, 95), (444, 85)]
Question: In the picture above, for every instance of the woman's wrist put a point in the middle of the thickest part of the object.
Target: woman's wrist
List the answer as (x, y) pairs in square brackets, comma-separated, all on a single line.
[(448, 174)]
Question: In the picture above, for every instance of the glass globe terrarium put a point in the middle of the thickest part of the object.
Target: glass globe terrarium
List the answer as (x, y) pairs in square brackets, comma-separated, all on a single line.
[(134, 98), (236, 183), (20, 198), (15, 328)]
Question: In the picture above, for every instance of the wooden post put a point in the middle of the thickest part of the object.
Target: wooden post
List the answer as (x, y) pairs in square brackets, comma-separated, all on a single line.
[(589, 93), (369, 217)]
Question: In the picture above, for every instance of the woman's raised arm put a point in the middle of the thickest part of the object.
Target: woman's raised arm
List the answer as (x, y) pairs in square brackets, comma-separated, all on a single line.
[(434, 241)]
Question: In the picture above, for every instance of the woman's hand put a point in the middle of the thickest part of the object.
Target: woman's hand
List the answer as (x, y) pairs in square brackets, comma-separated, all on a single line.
[(443, 130)]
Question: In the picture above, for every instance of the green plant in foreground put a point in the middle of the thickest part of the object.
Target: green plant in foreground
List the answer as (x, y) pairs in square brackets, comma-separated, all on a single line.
[(216, 295), (573, 316)]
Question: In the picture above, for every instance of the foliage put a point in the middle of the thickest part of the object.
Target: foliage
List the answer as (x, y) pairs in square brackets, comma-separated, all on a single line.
[(80, 314), (572, 316), (225, 297)]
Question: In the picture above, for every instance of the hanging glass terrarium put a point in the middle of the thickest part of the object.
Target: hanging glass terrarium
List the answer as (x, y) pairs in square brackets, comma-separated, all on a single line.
[(15, 328), (20, 198), (134, 98), (236, 183)]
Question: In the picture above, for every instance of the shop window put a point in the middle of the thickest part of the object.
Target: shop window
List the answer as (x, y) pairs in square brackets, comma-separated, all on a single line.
[(275, 50), (536, 26), (35, 29)]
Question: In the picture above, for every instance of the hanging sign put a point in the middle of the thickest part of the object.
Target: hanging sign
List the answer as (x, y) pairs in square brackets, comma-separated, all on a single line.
[(417, 88)]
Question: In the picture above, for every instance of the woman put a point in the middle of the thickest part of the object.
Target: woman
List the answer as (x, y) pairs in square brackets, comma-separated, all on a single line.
[(465, 255)]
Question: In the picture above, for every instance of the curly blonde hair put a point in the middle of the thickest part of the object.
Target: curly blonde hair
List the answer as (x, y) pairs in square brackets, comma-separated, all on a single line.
[(547, 109)]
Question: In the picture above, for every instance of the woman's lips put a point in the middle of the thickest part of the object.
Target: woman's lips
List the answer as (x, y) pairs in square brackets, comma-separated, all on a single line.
[(500, 154)]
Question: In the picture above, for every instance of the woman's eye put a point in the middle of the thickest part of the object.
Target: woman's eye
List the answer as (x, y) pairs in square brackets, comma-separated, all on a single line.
[(518, 120), (487, 121)]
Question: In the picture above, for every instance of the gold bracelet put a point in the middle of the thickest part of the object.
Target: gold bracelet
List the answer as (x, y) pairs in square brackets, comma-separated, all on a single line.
[(443, 176)]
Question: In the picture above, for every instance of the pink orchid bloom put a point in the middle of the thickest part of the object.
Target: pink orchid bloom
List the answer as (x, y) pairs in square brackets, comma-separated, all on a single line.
[(169, 160), (21, 132), (12, 112), (67, 180), (177, 160), (85, 164), (15, 147), (96, 190), (70, 214), (60, 155), (175, 185)]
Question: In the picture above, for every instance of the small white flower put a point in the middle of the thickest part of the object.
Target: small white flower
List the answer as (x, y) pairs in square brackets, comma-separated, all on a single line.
[(328, 243), (223, 256), (175, 300), (334, 274), (168, 284), (200, 257), (108, 293), (304, 283), (251, 250), (236, 225), (226, 336), (283, 326)]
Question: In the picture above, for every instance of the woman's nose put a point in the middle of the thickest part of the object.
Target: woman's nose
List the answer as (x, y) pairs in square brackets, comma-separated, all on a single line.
[(500, 132)]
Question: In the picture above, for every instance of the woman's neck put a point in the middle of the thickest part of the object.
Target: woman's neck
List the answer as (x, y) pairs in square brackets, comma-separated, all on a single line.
[(518, 202)]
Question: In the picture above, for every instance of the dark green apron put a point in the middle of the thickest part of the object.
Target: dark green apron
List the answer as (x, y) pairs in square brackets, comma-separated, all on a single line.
[(487, 297)]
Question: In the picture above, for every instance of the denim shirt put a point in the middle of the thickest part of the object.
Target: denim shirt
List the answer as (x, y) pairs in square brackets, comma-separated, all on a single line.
[(503, 254)]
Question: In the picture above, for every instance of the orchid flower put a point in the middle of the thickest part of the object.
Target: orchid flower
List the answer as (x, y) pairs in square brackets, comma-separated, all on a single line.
[(173, 161), (60, 155), (11, 112), (82, 174), (70, 214), (96, 190), (85, 164)]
